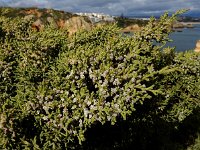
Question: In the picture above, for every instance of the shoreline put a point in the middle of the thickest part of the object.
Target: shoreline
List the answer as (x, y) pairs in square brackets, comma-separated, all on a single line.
[(186, 23)]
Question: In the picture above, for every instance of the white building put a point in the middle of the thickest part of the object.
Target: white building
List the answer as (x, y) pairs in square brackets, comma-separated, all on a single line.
[(97, 17)]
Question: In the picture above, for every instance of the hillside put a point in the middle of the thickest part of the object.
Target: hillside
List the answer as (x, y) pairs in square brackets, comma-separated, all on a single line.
[(42, 17)]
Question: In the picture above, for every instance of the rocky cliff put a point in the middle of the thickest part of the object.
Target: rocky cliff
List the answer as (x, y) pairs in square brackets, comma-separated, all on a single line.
[(178, 25), (42, 17), (197, 49), (74, 24), (132, 28)]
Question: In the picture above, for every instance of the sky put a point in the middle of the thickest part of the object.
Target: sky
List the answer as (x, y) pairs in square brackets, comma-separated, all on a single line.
[(112, 7)]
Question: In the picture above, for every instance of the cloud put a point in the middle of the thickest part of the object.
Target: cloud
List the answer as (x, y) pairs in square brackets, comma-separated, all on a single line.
[(26, 3), (114, 7)]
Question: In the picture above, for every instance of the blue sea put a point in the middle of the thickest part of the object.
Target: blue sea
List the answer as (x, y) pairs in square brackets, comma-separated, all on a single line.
[(185, 40)]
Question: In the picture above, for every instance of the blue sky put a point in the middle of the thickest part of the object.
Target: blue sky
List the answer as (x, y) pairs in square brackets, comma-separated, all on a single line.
[(113, 7)]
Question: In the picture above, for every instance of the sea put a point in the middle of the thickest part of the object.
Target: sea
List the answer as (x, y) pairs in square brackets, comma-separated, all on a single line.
[(185, 39)]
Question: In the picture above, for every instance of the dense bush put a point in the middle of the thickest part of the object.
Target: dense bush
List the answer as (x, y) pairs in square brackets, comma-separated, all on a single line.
[(56, 89)]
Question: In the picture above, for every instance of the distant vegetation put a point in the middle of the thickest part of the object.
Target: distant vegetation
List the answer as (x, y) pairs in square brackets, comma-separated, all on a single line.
[(188, 19), (124, 21), (97, 89)]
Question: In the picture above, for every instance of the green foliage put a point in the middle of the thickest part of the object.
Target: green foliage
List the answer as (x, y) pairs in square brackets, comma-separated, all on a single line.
[(54, 89), (124, 22), (182, 91), (25, 59), (196, 146)]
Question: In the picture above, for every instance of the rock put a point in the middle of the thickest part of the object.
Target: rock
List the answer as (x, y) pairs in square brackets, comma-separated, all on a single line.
[(177, 25), (29, 17), (61, 23), (132, 28), (189, 26), (197, 49), (75, 24), (34, 12), (37, 25), (52, 21)]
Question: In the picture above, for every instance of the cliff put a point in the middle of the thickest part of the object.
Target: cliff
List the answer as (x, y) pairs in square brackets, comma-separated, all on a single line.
[(132, 28), (197, 49), (178, 25), (42, 17), (74, 24)]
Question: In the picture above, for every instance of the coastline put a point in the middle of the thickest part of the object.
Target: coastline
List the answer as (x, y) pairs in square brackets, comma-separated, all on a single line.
[(186, 23)]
